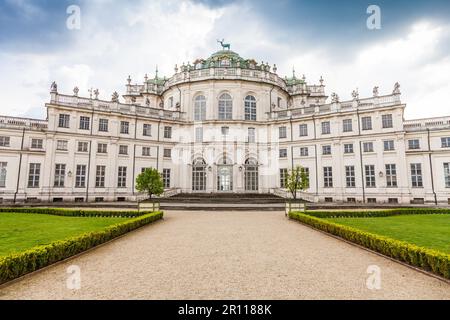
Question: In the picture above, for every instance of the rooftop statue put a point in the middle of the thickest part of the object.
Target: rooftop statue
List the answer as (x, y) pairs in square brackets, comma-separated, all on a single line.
[(396, 88), (224, 45)]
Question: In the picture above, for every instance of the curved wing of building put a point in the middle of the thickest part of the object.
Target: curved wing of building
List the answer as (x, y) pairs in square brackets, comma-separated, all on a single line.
[(225, 124)]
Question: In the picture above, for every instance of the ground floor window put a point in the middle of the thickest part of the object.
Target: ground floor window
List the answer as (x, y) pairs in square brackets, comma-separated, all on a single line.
[(370, 176), (122, 177), (100, 177), (60, 174), (283, 178), (416, 175), (199, 175), (80, 177), (328, 177), (350, 176), (3, 174), (391, 175), (251, 175), (166, 178), (447, 174), (34, 175)]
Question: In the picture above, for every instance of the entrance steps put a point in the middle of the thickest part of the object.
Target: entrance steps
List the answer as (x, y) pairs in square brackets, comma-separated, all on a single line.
[(223, 201)]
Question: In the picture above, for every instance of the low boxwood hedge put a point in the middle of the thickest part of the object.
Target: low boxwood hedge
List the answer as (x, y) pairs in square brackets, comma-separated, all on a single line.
[(374, 213), (427, 259), (18, 264), (75, 212)]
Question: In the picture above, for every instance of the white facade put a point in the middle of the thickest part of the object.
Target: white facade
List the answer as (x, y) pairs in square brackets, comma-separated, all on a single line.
[(225, 124)]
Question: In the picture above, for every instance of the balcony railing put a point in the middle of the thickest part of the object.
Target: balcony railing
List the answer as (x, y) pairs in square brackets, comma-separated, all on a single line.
[(429, 123), (15, 122)]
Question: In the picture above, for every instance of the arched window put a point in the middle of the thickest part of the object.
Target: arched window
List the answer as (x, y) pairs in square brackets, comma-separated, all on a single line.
[(225, 107), (199, 175), (250, 108), (251, 175), (200, 108)]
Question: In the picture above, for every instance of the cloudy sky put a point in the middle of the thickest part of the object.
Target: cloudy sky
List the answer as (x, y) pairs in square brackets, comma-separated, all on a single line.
[(118, 38)]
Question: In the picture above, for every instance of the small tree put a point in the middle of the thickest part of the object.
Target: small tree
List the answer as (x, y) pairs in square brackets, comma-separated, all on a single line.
[(150, 182), (297, 179)]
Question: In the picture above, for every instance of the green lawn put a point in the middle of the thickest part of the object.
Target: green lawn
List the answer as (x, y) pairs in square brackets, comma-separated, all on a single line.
[(20, 231), (430, 231)]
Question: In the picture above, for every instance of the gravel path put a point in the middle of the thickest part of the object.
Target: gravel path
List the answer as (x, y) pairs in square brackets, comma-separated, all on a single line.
[(232, 255)]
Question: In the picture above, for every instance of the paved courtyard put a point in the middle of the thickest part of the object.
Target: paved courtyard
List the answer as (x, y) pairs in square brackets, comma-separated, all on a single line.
[(227, 255)]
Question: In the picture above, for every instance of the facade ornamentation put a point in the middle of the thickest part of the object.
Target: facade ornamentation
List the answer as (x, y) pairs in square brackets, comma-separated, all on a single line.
[(375, 92), (396, 88), (96, 94), (115, 97), (355, 94), (75, 91), (334, 98), (54, 87)]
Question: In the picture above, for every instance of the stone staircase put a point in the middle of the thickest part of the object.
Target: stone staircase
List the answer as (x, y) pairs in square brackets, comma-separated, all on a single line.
[(223, 201)]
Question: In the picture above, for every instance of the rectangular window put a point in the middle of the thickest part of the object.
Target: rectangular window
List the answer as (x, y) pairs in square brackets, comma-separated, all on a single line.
[(147, 130), (83, 146), (85, 123), (445, 142), (368, 146), (100, 176), (414, 144), (4, 141), (60, 175), (328, 177), (303, 128), (123, 150), (307, 175), (34, 175), (64, 121), (283, 178), (326, 129), (225, 131), (282, 133), (37, 143), (61, 145), (102, 148), (447, 174), (391, 175), (146, 151), (347, 125), (326, 150), (124, 127), (3, 172), (350, 176), (166, 178), (389, 145), (348, 148), (370, 176), (366, 123), (168, 132), (122, 177), (283, 153), (199, 134), (416, 175), (103, 125), (167, 153), (251, 135), (304, 152), (80, 176), (387, 121)]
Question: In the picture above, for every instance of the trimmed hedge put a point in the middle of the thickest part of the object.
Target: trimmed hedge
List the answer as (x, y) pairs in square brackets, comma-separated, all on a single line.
[(375, 214), (18, 264), (427, 259), (75, 212)]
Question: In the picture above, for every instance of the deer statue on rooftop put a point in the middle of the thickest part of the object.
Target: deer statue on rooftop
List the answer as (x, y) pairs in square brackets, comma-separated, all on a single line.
[(224, 46)]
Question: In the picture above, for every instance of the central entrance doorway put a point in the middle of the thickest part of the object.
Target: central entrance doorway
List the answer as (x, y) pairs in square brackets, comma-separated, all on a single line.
[(225, 178)]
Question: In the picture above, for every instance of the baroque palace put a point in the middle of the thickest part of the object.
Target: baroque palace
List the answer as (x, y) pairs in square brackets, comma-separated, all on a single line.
[(225, 124)]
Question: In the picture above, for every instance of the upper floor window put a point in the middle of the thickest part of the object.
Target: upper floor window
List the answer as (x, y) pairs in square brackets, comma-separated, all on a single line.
[(387, 121), (251, 135), (348, 148), (64, 121), (413, 144), (326, 150), (123, 150), (250, 108), (4, 141), (168, 132), (389, 145), (167, 153), (103, 125), (282, 133), (147, 130), (347, 125), (225, 107), (368, 146), (102, 148), (303, 128), (366, 123), (36, 143), (304, 151), (445, 142), (199, 134), (200, 108), (85, 123), (146, 151), (62, 145), (225, 131), (326, 129), (170, 102), (83, 146), (124, 127), (283, 153)]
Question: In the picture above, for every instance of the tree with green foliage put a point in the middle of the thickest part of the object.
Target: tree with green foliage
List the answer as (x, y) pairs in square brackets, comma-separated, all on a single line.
[(297, 179), (150, 182)]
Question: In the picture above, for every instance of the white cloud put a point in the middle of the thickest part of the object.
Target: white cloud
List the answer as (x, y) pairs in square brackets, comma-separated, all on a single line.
[(116, 42)]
